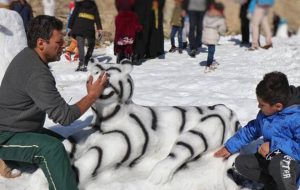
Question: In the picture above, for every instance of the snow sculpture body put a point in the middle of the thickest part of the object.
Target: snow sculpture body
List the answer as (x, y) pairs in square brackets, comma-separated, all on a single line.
[(128, 140), (12, 38)]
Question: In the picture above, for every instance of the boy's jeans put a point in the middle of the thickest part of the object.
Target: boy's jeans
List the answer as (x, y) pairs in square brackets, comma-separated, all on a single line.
[(174, 30), (279, 173)]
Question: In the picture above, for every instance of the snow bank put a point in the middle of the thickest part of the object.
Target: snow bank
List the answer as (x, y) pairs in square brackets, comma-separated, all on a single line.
[(12, 38)]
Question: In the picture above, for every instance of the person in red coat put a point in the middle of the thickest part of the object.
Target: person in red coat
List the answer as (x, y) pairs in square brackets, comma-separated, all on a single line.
[(127, 26)]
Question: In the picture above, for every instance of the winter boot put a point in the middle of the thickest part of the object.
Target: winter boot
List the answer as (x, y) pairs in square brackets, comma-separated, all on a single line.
[(173, 49)]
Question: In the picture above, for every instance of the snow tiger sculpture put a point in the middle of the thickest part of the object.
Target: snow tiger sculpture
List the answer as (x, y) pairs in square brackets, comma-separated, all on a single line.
[(159, 140)]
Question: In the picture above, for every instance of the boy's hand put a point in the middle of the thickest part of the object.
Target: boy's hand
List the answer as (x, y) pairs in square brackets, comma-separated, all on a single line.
[(264, 149), (222, 153)]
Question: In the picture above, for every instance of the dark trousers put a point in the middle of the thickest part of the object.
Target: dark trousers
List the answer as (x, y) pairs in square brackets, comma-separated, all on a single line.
[(279, 173), (176, 29), (245, 22), (195, 33), (210, 55), (44, 149), (84, 59)]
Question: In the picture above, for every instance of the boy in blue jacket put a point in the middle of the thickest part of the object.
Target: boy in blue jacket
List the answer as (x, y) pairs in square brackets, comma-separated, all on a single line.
[(275, 164)]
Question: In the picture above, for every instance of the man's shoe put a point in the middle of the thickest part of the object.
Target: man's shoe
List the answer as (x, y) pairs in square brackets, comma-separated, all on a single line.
[(173, 49), (180, 50), (193, 53), (7, 172)]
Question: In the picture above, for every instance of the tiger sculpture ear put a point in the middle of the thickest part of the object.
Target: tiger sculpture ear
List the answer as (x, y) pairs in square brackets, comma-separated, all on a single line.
[(126, 66)]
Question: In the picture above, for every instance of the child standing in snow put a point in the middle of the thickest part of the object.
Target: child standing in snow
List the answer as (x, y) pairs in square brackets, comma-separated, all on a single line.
[(82, 26), (276, 162), (72, 48), (177, 26), (127, 26), (213, 26)]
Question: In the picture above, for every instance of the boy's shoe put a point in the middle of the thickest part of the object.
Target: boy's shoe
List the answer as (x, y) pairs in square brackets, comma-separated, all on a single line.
[(193, 53), (7, 172), (68, 56), (173, 49), (180, 50)]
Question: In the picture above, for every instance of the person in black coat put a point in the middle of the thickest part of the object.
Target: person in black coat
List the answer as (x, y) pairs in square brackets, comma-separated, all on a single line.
[(150, 42), (156, 43), (82, 26), (24, 9)]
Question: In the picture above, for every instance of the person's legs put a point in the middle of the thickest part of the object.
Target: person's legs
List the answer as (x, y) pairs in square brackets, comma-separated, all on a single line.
[(266, 26), (199, 18), (255, 167), (172, 35), (256, 20), (44, 150), (192, 31), (89, 53), (80, 46), (285, 171), (180, 44), (245, 23), (210, 56)]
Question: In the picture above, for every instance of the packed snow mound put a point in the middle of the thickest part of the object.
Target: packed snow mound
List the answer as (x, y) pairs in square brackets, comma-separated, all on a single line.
[(12, 37)]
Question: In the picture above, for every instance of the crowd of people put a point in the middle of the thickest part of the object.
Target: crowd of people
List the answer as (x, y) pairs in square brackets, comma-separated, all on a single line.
[(139, 33), (139, 36)]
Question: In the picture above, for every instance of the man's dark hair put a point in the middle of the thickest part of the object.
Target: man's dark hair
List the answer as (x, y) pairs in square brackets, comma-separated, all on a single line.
[(274, 88), (42, 26)]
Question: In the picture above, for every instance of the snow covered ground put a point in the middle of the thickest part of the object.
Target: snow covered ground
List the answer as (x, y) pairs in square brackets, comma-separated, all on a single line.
[(177, 79)]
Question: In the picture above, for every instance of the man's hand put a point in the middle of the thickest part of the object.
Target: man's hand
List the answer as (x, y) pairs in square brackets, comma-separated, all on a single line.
[(95, 89), (264, 149), (222, 153)]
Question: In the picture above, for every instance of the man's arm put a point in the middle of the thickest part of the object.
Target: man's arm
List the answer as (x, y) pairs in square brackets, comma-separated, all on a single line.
[(94, 90)]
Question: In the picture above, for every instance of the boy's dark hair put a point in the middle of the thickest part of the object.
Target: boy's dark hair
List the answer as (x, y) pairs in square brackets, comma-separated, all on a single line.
[(274, 88), (42, 26)]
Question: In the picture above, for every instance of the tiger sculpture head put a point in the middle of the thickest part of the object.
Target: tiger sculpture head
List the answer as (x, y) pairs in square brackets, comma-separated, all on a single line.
[(120, 84)]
